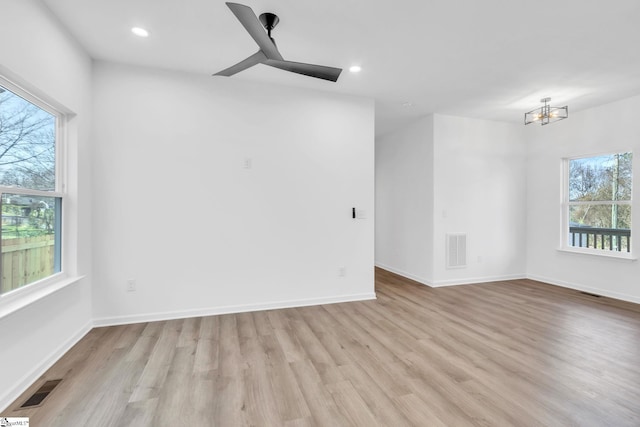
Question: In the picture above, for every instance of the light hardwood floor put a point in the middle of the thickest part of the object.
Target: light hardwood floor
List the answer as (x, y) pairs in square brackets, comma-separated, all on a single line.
[(514, 353)]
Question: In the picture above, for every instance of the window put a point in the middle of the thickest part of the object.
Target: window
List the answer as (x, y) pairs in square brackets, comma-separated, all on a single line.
[(30, 189), (598, 202)]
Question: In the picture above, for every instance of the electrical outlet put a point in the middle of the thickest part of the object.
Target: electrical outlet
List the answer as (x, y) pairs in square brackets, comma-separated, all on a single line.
[(342, 271), (131, 285)]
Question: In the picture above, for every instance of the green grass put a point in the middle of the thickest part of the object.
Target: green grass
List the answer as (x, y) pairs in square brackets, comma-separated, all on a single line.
[(22, 231)]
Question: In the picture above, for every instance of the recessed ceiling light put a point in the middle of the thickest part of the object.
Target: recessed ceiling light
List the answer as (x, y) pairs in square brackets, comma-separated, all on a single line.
[(355, 69), (140, 32), (407, 104)]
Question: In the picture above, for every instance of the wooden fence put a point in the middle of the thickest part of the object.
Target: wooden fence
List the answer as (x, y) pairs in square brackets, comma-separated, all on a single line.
[(25, 260)]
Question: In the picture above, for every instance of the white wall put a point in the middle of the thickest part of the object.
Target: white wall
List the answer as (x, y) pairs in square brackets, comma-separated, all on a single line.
[(404, 201), (446, 174), (606, 129), (175, 209), (36, 53), (480, 185)]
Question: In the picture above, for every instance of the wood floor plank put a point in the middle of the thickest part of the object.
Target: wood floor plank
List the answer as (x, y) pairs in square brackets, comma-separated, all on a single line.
[(260, 402), (262, 322), (174, 407), (316, 352), (155, 371), (289, 399), (418, 412), (139, 413), (229, 387), (351, 404), (378, 401), (511, 353), (323, 408)]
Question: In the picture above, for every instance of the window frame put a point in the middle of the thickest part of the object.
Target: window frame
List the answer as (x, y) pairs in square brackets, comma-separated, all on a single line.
[(566, 204), (54, 281)]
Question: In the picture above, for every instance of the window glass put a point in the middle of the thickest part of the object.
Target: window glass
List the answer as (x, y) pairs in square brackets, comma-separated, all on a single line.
[(600, 178), (27, 144), (30, 239)]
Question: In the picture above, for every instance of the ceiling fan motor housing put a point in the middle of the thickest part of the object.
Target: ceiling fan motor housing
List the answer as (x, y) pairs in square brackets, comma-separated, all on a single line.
[(269, 21)]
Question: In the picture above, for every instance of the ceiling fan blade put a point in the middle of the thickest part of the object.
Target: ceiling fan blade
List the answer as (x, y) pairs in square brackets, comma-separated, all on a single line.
[(255, 29), (256, 58), (311, 70)]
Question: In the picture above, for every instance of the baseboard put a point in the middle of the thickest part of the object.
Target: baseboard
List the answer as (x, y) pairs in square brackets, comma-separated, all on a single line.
[(9, 396), (578, 287), (182, 314), (413, 277), (476, 280), (453, 282)]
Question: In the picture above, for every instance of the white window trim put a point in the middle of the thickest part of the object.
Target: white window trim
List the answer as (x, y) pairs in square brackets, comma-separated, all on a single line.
[(599, 253), (25, 296), (564, 206)]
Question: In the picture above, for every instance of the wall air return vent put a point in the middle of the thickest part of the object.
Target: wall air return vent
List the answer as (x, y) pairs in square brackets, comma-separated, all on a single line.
[(456, 250)]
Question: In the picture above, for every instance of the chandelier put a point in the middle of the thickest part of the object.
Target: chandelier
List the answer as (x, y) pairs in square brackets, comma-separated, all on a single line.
[(546, 114)]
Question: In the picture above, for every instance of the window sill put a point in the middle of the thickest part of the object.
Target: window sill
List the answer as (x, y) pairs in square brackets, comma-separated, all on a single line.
[(24, 297), (601, 254)]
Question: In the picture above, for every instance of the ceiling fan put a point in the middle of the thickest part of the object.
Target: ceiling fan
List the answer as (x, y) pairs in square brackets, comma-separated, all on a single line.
[(268, 53)]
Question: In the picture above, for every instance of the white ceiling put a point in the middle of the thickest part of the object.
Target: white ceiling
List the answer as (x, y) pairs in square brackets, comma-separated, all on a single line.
[(491, 59)]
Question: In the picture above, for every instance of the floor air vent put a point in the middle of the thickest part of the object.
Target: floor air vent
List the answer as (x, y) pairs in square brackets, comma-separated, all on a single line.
[(590, 294), (40, 394)]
